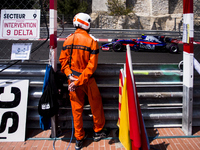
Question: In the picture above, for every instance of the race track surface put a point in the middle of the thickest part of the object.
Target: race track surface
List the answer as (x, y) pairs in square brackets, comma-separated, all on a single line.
[(141, 56)]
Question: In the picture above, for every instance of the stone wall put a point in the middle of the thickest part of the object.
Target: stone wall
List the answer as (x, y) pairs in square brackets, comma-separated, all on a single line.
[(132, 21), (99, 5), (142, 7), (147, 15), (160, 7), (145, 7), (197, 15), (175, 6)]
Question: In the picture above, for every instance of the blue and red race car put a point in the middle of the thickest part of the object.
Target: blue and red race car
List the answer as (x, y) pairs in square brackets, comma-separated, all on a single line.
[(145, 43)]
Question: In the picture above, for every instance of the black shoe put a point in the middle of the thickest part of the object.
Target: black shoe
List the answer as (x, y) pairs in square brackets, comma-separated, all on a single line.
[(101, 134), (79, 143)]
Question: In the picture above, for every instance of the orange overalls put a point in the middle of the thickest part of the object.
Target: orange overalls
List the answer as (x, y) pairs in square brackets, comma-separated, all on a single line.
[(84, 61)]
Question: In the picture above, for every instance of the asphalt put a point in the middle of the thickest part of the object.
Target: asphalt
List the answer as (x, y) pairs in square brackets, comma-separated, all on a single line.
[(110, 57)]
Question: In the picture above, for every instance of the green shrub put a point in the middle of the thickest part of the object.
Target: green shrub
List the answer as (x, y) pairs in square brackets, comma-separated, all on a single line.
[(118, 8), (71, 7)]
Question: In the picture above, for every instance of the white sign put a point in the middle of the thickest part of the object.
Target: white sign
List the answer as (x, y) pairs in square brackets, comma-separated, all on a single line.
[(20, 24), (21, 51), (13, 107), (186, 33)]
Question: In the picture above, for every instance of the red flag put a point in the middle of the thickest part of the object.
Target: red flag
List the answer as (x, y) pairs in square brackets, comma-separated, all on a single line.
[(138, 135)]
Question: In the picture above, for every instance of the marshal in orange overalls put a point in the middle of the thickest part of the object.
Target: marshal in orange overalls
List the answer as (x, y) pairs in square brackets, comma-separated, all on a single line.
[(84, 59)]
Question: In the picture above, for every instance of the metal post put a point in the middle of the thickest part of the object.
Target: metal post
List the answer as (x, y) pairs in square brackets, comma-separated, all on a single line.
[(188, 73), (175, 23), (53, 51)]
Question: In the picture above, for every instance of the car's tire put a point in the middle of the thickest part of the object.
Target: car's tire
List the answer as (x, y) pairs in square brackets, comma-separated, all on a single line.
[(117, 47), (167, 40), (173, 48)]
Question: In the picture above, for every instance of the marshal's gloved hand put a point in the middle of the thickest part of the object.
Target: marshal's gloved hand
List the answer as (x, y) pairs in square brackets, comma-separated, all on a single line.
[(72, 86)]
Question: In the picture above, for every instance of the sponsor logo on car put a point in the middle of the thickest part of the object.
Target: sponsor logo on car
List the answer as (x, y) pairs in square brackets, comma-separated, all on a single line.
[(105, 48), (148, 46)]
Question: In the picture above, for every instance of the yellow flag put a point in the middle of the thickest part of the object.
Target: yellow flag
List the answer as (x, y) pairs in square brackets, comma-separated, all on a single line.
[(124, 135)]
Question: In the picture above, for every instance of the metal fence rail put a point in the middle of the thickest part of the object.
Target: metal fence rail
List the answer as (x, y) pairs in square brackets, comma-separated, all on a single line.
[(124, 33), (159, 89)]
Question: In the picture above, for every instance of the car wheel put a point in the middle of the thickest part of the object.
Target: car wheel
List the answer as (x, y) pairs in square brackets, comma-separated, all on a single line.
[(173, 48), (117, 47), (167, 39)]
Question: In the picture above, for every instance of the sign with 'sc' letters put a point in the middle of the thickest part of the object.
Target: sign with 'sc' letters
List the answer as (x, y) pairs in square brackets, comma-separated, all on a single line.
[(13, 109), (20, 24)]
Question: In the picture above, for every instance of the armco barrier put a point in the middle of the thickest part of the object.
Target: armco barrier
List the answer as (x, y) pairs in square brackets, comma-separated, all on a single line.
[(124, 33), (159, 89), (114, 33)]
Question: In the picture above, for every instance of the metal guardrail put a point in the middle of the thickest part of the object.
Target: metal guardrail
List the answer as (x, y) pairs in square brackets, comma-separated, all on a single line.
[(159, 89), (114, 33), (122, 33)]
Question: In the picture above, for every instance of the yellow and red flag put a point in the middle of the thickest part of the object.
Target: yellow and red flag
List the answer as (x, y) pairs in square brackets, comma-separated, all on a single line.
[(132, 131), (121, 83), (124, 132), (138, 136)]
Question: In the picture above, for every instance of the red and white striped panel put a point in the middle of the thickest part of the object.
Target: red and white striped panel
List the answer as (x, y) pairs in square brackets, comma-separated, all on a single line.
[(188, 54)]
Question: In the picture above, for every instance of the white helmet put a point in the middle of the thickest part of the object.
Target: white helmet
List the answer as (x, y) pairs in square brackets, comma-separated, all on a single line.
[(82, 20)]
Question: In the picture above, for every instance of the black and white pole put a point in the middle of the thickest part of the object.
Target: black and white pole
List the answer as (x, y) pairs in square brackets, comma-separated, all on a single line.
[(188, 66)]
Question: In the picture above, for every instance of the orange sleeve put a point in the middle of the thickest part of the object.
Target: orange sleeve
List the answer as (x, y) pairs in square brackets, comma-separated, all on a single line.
[(64, 60), (91, 66)]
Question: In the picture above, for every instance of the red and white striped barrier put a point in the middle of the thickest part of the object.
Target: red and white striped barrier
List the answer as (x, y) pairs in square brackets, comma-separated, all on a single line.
[(53, 32), (53, 50), (188, 67), (188, 55)]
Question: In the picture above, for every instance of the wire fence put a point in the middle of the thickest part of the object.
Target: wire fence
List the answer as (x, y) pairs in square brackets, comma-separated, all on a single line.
[(10, 10), (196, 15), (196, 11)]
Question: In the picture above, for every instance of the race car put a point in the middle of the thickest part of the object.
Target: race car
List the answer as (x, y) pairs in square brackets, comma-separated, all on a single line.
[(145, 43)]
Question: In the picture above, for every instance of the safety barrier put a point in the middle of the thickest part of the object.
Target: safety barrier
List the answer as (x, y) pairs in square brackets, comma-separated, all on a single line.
[(159, 89), (122, 33)]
